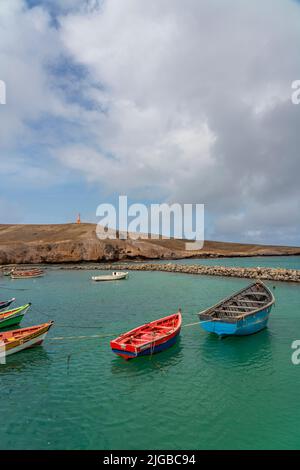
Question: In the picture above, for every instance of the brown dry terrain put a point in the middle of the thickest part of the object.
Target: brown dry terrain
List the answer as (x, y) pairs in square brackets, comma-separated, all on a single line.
[(65, 243)]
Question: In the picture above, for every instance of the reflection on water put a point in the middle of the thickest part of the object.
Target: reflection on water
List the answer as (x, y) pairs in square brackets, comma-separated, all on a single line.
[(26, 360), (160, 362), (239, 351)]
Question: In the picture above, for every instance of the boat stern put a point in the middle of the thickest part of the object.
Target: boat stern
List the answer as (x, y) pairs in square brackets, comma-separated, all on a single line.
[(126, 351)]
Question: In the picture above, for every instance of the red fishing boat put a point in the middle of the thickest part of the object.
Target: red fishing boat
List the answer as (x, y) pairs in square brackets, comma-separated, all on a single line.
[(148, 339), (26, 274)]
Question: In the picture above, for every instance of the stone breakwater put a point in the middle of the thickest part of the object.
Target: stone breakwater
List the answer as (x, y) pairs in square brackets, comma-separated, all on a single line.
[(268, 274)]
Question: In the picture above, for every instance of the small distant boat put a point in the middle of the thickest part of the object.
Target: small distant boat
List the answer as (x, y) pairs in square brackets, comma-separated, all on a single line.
[(17, 340), (148, 339), (6, 303), (243, 313), (26, 274), (116, 275), (13, 317), (7, 273)]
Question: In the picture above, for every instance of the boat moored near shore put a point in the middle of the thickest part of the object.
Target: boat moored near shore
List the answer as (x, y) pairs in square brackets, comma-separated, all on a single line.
[(26, 274), (15, 341), (13, 317), (148, 339), (111, 277), (243, 313), (6, 303)]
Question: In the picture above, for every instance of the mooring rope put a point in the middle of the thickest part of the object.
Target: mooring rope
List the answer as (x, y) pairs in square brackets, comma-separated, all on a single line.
[(77, 326), (191, 324), (105, 335), (61, 338)]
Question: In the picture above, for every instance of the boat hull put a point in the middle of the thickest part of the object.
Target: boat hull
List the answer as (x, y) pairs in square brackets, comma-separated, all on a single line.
[(30, 276), (12, 342), (4, 305), (109, 278), (247, 326), (13, 317), (13, 321), (149, 351), (29, 344)]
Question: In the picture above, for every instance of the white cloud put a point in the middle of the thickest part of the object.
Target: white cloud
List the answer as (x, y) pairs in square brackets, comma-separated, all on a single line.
[(29, 46), (183, 101), (169, 71)]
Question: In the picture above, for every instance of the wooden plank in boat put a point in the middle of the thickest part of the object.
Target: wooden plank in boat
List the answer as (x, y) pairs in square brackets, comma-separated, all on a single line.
[(252, 307), (230, 311), (257, 293)]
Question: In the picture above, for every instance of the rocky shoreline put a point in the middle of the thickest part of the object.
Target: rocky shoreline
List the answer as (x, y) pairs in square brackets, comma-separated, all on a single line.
[(263, 273)]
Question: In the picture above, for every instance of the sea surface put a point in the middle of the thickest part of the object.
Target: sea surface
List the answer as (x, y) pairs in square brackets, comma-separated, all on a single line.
[(280, 262), (204, 393)]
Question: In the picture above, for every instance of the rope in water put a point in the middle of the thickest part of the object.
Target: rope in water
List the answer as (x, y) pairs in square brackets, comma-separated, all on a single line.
[(106, 335), (111, 335), (62, 338), (191, 324)]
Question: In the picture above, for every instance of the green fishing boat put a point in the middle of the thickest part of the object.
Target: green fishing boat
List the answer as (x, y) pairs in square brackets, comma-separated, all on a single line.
[(13, 317)]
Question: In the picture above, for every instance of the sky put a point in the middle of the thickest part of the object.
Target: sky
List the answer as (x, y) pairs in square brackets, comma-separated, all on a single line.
[(163, 101)]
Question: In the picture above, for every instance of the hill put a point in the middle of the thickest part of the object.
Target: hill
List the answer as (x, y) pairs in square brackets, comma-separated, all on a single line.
[(67, 243)]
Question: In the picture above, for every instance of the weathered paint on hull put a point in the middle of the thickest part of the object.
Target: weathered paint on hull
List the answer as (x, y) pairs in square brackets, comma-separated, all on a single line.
[(247, 326), (11, 321), (29, 344), (147, 352), (26, 277)]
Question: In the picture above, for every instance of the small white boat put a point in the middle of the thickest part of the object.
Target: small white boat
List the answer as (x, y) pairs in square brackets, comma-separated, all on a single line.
[(115, 276)]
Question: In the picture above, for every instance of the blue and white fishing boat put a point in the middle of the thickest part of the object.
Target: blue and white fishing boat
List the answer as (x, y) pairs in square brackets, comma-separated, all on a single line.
[(243, 313)]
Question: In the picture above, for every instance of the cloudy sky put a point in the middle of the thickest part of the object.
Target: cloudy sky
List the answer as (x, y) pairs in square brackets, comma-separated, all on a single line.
[(165, 101)]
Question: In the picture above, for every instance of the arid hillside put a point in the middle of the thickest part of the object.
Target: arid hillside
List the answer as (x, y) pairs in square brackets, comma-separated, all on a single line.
[(78, 242)]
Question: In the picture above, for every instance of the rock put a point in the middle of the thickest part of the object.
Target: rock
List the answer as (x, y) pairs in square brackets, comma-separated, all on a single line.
[(250, 273)]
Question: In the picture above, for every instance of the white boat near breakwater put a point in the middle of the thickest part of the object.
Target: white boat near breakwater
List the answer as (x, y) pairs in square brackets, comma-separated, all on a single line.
[(116, 275)]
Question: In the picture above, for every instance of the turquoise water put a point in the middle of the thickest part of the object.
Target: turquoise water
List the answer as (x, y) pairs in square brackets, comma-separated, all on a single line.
[(204, 393), (285, 262)]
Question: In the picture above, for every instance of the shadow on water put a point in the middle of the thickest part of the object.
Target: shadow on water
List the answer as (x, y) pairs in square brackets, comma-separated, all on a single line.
[(25, 360), (239, 351), (147, 364)]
